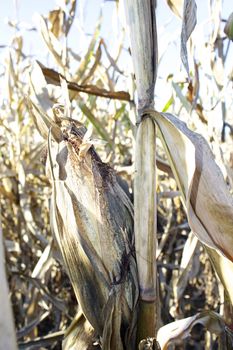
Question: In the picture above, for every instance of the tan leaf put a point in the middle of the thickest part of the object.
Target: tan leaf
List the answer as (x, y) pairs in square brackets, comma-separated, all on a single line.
[(205, 193), (176, 6), (188, 25), (181, 329)]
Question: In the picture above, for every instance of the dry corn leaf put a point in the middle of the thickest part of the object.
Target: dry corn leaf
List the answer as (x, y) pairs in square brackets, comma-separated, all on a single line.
[(181, 329), (83, 72), (44, 111), (70, 19), (176, 6), (79, 335), (56, 20), (51, 41), (188, 25), (53, 77), (92, 70), (186, 269), (205, 194)]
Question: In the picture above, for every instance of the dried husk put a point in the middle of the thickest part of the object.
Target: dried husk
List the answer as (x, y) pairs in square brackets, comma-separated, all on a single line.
[(92, 220)]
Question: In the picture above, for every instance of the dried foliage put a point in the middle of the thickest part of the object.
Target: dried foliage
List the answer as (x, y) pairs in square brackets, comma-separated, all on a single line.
[(81, 105)]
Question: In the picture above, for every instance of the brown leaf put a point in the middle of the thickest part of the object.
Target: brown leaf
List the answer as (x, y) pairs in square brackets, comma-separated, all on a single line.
[(53, 77)]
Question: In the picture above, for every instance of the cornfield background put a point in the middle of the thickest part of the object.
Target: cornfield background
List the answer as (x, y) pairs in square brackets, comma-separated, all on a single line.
[(92, 74)]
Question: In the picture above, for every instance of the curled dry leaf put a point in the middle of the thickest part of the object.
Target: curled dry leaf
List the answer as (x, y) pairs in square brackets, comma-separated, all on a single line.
[(181, 329), (53, 77), (186, 269), (79, 335), (176, 6), (205, 194), (188, 25), (56, 20)]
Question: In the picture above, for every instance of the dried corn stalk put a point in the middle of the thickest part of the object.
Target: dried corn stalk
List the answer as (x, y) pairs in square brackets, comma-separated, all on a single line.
[(7, 331), (143, 39)]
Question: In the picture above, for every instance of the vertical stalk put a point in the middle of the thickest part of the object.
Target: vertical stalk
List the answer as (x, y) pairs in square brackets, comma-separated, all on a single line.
[(145, 226), (7, 327), (141, 21)]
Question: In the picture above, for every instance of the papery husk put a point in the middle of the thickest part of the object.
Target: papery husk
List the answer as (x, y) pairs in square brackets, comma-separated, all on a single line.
[(92, 220)]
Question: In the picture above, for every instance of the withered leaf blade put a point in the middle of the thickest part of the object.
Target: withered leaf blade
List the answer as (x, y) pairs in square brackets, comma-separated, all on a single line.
[(176, 6), (206, 196), (181, 329), (92, 219), (53, 77), (188, 25), (79, 334)]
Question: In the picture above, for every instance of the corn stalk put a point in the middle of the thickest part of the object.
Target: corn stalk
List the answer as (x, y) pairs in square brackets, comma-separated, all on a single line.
[(7, 328), (143, 39)]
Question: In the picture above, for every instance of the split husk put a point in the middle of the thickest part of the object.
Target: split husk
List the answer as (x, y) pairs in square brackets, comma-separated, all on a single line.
[(92, 220)]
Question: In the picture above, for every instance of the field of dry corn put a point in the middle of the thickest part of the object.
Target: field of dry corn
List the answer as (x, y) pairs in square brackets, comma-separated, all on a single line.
[(68, 126)]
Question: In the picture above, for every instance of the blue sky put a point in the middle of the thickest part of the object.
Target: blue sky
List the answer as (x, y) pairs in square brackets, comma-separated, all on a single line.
[(86, 16), (88, 11)]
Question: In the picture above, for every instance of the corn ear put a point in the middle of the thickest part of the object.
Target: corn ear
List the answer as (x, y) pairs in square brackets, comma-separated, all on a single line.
[(92, 220)]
